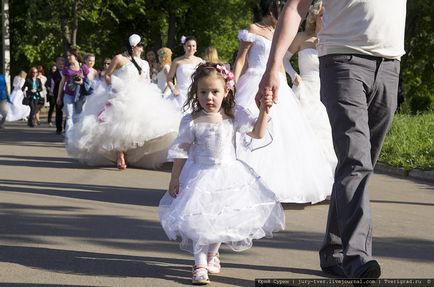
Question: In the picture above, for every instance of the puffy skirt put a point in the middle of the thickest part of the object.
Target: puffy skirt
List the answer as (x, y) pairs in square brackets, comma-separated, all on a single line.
[(17, 110), (308, 93), (220, 203), (289, 159), (129, 116)]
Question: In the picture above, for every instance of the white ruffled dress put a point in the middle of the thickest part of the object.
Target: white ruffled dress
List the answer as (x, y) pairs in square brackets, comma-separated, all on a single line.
[(130, 116), (221, 199)]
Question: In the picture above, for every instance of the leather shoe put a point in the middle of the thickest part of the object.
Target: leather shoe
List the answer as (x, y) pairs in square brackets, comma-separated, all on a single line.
[(369, 270), (335, 270)]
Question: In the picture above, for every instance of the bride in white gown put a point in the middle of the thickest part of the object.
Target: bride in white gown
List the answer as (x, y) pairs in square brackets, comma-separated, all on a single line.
[(306, 85), (17, 110), (125, 120), (290, 160), (182, 68)]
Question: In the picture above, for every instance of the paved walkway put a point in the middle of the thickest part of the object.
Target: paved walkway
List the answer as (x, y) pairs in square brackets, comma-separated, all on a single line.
[(63, 224)]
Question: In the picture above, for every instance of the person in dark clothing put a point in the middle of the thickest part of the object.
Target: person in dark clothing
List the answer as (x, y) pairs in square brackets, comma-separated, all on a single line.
[(56, 78), (33, 88)]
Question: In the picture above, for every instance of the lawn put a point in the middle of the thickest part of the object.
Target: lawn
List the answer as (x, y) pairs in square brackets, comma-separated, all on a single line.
[(409, 143)]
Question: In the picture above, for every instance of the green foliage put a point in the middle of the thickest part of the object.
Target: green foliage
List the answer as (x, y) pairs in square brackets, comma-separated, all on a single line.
[(417, 64), (104, 25), (409, 143)]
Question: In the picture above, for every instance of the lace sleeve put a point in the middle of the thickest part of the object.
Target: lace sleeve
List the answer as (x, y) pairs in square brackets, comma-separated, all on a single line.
[(246, 36), (244, 120), (181, 146)]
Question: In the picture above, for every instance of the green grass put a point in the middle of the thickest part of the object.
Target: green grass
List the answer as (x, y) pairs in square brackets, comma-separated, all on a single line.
[(409, 143)]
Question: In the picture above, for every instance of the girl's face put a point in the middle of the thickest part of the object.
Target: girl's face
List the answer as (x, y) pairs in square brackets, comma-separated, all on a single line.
[(190, 47), (90, 62), (34, 73), (210, 92)]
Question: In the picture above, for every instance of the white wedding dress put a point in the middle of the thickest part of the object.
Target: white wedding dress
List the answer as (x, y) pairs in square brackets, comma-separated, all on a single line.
[(183, 82), (162, 80), (220, 198), (17, 110), (308, 93), (130, 116), (289, 158)]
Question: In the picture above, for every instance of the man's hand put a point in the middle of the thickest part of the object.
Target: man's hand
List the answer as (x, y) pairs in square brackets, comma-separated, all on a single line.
[(269, 83)]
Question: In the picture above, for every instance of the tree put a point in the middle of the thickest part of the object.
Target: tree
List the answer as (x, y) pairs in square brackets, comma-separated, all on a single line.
[(417, 65)]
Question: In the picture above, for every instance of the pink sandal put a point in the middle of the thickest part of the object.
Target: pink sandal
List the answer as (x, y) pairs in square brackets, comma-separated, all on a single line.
[(200, 275), (214, 263)]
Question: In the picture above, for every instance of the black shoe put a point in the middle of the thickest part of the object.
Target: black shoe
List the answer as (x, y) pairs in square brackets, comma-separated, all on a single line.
[(369, 270), (335, 270)]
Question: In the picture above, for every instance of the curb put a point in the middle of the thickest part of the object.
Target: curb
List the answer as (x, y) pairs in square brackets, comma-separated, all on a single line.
[(426, 175)]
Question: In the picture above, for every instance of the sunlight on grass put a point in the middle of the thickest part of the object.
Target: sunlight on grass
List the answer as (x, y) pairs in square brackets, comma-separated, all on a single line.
[(409, 143)]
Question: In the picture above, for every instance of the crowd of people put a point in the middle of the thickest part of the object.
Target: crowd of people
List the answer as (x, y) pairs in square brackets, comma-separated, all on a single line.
[(241, 139)]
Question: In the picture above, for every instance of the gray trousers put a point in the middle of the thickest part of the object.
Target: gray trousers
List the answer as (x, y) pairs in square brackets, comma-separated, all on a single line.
[(360, 94), (3, 111)]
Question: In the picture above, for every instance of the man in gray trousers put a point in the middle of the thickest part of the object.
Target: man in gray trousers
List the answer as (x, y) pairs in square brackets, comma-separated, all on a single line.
[(360, 46)]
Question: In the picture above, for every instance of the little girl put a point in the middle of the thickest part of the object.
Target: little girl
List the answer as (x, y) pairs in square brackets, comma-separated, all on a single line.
[(213, 197)]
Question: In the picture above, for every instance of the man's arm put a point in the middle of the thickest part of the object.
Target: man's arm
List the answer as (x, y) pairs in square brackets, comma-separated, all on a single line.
[(286, 29)]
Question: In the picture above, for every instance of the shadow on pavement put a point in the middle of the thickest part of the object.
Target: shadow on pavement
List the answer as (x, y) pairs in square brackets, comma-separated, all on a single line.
[(115, 265), (103, 193), (40, 161), (41, 285)]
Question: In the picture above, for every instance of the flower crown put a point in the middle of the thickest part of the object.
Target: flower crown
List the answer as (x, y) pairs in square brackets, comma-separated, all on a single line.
[(183, 38), (227, 75)]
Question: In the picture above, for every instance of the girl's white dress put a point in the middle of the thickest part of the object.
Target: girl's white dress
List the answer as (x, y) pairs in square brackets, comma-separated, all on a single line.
[(221, 199), (308, 93), (17, 110), (130, 116), (290, 159)]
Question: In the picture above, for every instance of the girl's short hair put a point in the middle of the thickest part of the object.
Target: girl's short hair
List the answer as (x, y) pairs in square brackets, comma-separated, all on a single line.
[(205, 70), (314, 10), (165, 56)]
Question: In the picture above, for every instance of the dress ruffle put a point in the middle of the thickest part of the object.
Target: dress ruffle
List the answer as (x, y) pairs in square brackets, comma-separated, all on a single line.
[(129, 116)]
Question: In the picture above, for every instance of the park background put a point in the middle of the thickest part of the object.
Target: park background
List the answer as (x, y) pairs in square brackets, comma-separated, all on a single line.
[(41, 30)]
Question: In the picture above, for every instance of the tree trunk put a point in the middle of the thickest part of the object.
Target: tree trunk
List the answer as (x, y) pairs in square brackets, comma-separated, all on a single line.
[(66, 33), (171, 29), (75, 23), (6, 45)]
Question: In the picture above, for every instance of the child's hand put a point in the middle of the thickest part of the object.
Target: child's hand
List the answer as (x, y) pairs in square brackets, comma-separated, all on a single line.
[(174, 187), (267, 101)]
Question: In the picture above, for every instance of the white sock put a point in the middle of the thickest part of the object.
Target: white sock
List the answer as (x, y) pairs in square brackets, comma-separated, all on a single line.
[(200, 255), (214, 248)]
